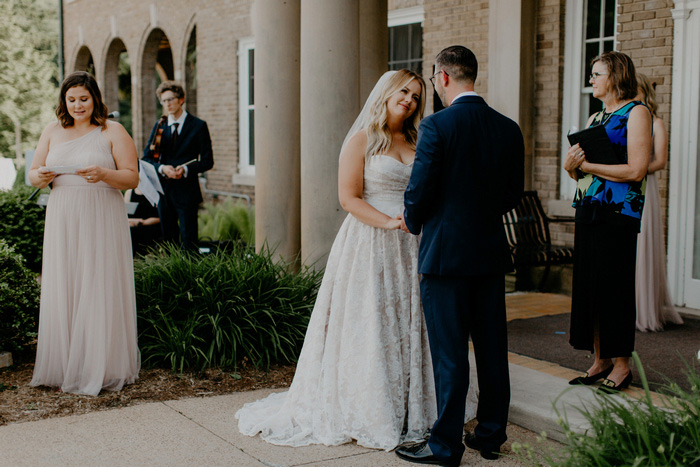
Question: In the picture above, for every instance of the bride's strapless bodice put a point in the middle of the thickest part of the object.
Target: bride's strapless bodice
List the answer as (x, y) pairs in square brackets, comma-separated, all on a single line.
[(385, 182)]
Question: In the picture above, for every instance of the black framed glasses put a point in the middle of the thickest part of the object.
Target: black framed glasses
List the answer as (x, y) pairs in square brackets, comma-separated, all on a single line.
[(432, 78)]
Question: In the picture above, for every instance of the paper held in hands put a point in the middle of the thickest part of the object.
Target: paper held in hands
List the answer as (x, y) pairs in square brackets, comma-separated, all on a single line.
[(595, 143), (61, 169), (149, 184)]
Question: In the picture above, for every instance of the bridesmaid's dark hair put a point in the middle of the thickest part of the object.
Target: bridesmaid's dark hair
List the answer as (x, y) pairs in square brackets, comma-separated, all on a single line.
[(86, 80)]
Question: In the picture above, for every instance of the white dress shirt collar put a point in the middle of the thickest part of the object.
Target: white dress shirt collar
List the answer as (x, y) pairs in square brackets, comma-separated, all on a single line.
[(462, 94), (180, 120)]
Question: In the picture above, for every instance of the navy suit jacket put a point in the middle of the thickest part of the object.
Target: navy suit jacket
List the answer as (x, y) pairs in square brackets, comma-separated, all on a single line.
[(468, 172), (193, 142)]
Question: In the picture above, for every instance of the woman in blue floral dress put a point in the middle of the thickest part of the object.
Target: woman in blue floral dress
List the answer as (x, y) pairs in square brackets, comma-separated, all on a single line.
[(609, 201)]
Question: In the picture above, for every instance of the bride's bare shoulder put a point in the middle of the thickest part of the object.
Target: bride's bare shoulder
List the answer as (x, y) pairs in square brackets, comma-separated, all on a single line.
[(356, 146), (359, 138)]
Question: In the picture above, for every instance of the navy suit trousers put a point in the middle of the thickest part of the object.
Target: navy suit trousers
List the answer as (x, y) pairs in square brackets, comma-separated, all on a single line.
[(457, 307)]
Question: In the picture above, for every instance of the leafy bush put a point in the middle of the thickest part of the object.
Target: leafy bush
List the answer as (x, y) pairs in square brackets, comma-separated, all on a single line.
[(22, 224), (19, 300), (630, 432), (227, 220), (19, 181), (197, 311)]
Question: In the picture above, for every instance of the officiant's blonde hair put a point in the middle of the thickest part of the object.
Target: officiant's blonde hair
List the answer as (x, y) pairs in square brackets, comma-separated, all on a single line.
[(378, 135)]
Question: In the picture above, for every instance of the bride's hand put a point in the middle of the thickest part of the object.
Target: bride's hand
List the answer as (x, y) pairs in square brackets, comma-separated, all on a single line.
[(403, 225), (392, 224)]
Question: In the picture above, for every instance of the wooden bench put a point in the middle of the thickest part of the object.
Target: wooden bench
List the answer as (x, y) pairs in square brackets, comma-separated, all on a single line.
[(527, 230)]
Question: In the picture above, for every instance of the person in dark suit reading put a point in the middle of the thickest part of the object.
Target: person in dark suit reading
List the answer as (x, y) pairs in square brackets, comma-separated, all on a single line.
[(180, 149), (468, 172)]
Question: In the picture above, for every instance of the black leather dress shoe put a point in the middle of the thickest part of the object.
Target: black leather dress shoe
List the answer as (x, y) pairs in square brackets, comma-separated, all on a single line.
[(421, 454), (474, 443)]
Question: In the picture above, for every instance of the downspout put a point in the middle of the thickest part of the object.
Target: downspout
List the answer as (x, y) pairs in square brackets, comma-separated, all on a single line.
[(61, 62)]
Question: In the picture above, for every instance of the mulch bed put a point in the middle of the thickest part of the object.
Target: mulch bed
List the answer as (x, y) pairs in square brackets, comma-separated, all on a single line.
[(21, 403), (665, 355)]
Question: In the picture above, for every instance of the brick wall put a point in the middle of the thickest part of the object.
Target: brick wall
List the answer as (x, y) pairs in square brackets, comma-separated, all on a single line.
[(646, 34), (399, 4), (549, 96), (452, 22), (219, 24)]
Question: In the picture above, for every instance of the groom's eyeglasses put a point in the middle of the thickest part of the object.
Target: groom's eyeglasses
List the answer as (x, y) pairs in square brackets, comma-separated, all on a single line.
[(432, 78)]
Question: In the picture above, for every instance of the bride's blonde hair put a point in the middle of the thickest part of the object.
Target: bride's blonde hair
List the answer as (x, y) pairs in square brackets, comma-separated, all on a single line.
[(378, 133)]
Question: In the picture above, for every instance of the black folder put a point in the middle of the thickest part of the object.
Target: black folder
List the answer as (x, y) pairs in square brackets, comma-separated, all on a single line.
[(595, 143)]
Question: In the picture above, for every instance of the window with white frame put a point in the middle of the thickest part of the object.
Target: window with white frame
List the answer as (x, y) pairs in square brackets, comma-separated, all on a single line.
[(406, 38), (590, 27), (246, 107)]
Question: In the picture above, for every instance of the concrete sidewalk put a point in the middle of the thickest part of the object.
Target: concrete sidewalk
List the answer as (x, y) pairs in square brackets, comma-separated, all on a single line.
[(203, 431)]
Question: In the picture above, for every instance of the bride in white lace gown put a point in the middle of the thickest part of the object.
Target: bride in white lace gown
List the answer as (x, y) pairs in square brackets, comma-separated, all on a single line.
[(364, 372)]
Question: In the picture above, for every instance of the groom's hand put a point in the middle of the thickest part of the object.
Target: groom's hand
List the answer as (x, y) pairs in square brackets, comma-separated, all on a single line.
[(403, 223)]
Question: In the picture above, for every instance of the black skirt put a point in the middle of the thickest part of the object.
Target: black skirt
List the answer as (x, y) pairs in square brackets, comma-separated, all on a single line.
[(603, 295)]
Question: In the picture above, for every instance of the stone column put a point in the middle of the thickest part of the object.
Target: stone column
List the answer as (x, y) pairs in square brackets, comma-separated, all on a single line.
[(374, 44), (330, 97), (276, 26), (512, 28)]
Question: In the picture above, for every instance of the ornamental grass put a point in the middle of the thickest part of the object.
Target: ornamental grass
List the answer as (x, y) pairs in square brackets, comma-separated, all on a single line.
[(629, 432), (218, 310)]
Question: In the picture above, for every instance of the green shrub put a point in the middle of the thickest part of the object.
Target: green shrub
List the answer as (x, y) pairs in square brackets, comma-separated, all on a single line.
[(227, 220), (197, 311), (22, 224), (19, 300), (19, 181), (631, 432)]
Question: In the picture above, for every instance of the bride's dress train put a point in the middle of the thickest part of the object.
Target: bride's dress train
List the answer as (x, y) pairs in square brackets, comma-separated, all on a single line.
[(364, 372)]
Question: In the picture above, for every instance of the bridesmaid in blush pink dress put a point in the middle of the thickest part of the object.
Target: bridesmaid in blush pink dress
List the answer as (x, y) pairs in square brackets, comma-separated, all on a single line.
[(654, 306), (87, 320)]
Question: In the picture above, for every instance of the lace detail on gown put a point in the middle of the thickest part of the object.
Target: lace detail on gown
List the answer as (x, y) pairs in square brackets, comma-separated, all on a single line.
[(87, 322), (364, 372)]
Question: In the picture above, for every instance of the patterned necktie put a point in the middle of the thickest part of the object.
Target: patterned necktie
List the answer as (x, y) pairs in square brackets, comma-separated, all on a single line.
[(174, 136)]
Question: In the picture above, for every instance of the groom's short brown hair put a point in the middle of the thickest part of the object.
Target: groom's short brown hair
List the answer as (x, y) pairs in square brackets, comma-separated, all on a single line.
[(459, 62)]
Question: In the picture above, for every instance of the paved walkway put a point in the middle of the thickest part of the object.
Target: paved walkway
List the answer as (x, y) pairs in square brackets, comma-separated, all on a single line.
[(202, 431)]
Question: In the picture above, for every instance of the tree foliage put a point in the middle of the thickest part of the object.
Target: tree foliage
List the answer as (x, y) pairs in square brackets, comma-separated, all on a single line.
[(28, 70)]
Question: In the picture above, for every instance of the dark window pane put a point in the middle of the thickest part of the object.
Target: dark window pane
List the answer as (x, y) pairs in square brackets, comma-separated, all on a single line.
[(608, 46), (400, 45), (251, 62), (592, 51), (609, 18), (251, 137), (406, 47), (416, 41), (593, 19)]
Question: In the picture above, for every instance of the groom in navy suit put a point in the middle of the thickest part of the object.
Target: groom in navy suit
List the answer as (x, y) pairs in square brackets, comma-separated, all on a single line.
[(468, 172), (183, 153)]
